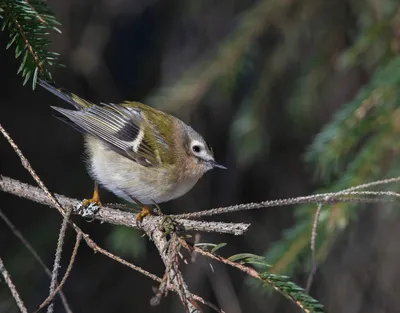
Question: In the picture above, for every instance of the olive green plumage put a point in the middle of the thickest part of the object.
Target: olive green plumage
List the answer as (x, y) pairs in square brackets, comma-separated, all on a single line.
[(136, 151)]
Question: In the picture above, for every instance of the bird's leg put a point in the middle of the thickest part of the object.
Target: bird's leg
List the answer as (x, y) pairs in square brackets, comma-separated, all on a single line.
[(89, 207), (168, 225), (95, 199), (145, 210)]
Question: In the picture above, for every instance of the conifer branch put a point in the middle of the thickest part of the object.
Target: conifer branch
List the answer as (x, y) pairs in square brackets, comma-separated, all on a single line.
[(280, 283), (29, 24)]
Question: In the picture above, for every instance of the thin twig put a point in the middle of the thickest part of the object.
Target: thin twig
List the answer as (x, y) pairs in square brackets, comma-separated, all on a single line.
[(97, 248), (32, 250), (209, 304), (326, 198), (12, 287), (312, 247), (375, 183), (67, 272), (57, 258), (41, 19)]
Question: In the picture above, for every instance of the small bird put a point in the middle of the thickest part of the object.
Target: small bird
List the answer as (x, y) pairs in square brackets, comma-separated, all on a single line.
[(139, 153)]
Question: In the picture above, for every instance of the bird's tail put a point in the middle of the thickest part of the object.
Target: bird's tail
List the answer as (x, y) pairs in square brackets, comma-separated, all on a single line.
[(69, 97)]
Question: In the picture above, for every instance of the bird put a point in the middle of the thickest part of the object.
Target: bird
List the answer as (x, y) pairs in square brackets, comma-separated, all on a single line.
[(141, 154)]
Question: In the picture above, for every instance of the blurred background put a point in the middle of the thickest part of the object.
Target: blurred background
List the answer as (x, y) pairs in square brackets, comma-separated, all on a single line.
[(295, 97)]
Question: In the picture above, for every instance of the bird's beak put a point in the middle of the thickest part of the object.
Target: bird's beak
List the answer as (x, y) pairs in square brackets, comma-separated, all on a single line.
[(215, 164)]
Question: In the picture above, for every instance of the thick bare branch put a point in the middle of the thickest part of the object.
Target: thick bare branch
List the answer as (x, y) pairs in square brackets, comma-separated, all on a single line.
[(113, 216)]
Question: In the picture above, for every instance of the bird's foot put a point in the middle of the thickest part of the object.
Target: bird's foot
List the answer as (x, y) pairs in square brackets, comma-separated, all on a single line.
[(147, 210), (88, 208), (142, 214)]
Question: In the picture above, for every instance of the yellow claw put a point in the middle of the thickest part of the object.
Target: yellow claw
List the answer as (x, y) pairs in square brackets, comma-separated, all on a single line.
[(143, 213), (95, 199), (146, 210)]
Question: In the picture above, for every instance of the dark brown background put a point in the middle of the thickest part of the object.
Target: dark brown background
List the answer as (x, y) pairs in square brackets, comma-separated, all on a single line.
[(130, 50)]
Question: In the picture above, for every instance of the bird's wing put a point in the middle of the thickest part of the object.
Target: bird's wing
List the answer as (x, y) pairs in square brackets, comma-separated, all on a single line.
[(125, 129)]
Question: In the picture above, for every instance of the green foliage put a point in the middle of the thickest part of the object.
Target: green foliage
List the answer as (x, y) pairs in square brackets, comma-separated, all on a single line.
[(376, 38), (249, 258), (211, 247), (292, 292), (280, 283), (246, 261), (29, 24), (372, 44), (368, 122)]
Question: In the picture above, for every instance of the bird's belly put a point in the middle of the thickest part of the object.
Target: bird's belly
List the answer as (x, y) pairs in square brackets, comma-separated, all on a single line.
[(128, 179), (146, 186), (148, 194)]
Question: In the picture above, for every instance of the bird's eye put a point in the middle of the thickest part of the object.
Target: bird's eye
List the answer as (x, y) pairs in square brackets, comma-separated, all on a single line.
[(196, 148)]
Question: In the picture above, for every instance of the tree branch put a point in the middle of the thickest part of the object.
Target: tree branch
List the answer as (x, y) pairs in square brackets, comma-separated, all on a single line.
[(114, 216)]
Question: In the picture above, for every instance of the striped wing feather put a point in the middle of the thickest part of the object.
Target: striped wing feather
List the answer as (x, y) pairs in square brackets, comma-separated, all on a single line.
[(124, 128)]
